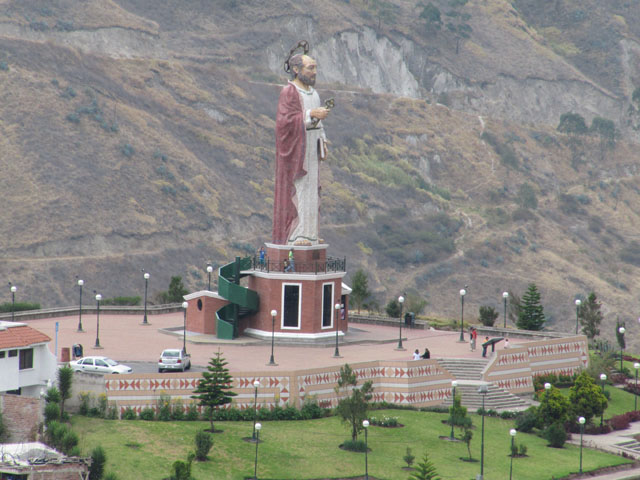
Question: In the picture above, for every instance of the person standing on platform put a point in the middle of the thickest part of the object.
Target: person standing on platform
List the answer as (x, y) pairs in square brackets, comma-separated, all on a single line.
[(484, 346), (292, 263)]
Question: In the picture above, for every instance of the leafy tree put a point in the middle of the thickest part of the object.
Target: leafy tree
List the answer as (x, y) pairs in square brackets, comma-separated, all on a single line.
[(590, 316), (488, 315), (425, 470), (65, 382), (432, 17), (393, 308), (514, 307), (605, 129), (385, 11), (353, 408), (214, 388), (586, 397), (572, 123), (415, 303), (466, 438), (3, 430), (554, 408), (360, 289), (457, 23), (175, 293), (527, 197), (531, 313), (620, 336), (98, 460)]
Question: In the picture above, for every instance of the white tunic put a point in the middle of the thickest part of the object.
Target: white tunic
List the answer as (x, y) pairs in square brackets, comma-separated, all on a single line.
[(307, 199)]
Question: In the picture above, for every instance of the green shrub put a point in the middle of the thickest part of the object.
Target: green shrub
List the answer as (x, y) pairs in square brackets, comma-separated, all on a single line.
[(488, 315), (98, 460), (122, 300), (354, 445), (69, 441), (192, 413), (164, 408), (51, 412), (127, 150), (4, 66), (177, 410), (526, 421), (18, 307), (53, 395), (204, 442), (102, 405), (129, 414), (555, 435), (147, 413), (522, 450), (409, 458)]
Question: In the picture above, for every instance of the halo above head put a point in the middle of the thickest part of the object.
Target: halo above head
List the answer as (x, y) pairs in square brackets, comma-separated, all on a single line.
[(302, 44)]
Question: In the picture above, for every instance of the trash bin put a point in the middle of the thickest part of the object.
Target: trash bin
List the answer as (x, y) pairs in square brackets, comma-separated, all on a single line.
[(409, 319), (77, 351), (64, 355)]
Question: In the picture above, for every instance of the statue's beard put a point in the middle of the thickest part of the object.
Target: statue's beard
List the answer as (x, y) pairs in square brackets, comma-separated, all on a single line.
[(307, 80)]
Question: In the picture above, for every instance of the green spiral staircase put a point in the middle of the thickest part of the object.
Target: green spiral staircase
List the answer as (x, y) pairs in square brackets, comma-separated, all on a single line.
[(242, 301)]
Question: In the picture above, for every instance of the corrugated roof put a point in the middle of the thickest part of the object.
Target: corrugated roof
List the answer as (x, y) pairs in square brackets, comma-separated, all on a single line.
[(20, 335)]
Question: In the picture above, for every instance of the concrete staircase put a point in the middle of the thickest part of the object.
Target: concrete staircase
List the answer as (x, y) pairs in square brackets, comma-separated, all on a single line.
[(468, 374)]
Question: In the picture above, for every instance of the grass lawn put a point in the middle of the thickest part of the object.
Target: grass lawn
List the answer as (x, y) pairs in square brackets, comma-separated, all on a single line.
[(309, 449)]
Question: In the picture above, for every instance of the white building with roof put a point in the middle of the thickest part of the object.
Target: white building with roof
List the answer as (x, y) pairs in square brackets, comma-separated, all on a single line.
[(27, 365)]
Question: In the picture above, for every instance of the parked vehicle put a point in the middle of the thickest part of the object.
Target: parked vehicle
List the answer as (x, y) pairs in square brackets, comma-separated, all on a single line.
[(174, 359), (98, 365)]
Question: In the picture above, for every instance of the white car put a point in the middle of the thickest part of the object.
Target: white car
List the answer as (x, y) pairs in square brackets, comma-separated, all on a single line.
[(174, 359), (98, 365)]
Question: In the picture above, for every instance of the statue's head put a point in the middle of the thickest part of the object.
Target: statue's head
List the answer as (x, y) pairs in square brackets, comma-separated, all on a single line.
[(303, 67)]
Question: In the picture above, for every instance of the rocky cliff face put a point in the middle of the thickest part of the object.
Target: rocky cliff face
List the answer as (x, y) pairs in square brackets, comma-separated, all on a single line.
[(137, 133)]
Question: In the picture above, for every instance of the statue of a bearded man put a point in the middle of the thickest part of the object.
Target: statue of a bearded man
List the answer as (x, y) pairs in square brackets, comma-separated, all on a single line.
[(300, 145)]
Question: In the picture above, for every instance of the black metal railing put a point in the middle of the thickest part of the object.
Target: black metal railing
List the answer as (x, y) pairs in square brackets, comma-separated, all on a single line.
[(329, 265)]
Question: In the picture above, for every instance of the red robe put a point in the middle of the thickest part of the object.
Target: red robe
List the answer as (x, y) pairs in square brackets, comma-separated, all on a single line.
[(290, 153)]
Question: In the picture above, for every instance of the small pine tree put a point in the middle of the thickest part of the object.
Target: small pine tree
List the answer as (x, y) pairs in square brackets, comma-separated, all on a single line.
[(98, 460), (466, 438), (360, 289), (590, 316), (531, 313), (409, 458), (214, 388), (65, 382), (204, 442), (425, 470), (488, 315)]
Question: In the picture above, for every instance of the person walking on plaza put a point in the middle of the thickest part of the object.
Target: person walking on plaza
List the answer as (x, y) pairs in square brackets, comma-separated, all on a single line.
[(474, 338)]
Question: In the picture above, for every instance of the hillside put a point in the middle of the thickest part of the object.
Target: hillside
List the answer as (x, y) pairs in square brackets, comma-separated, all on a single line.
[(139, 135)]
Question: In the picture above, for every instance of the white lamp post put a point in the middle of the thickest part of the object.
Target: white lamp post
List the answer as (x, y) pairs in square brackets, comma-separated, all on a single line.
[(336, 353), (512, 432), (505, 297), (255, 468), (98, 298), (401, 302), (581, 421), (621, 331), (578, 302), (274, 313), (256, 384), (146, 286), (463, 292), (603, 378), (365, 424), (209, 270), (80, 285), (184, 327), (14, 289)]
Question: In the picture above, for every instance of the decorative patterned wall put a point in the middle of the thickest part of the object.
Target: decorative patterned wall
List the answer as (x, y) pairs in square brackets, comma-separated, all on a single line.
[(514, 369), (418, 383)]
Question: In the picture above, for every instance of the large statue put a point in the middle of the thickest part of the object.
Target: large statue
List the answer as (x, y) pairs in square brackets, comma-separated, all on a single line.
[(300, 145)]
